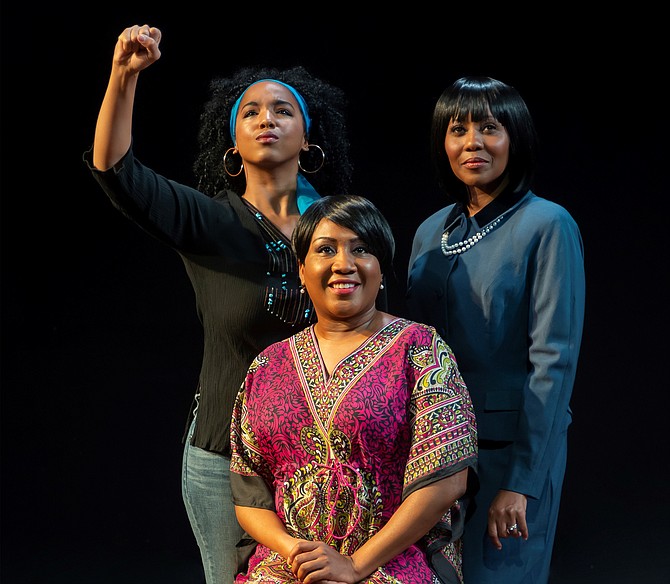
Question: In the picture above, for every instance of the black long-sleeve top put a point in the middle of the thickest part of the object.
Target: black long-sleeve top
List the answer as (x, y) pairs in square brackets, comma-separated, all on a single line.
[(243, 271)]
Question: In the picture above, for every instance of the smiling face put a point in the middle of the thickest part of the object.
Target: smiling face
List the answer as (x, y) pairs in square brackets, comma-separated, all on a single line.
[(341, 275), (478, 152), (269, 129)]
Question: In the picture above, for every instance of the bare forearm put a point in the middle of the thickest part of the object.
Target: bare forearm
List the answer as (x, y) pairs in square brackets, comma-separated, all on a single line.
[(413, 519), (113, 131), (136, 49), (266, 528)]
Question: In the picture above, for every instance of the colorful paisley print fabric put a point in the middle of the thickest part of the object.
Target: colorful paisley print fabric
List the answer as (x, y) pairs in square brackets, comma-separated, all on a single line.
[(335, 455)]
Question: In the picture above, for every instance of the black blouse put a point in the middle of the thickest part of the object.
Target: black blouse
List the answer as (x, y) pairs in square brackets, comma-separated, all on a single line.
[(243, 271)]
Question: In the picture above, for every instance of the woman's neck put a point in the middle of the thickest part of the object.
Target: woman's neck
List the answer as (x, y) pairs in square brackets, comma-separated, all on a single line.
[(479, 197), (274, 196), (339, 339), (362, 326), (273, 192)]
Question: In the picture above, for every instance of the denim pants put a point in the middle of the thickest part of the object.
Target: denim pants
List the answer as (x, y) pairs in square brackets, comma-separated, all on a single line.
[(210, 509)]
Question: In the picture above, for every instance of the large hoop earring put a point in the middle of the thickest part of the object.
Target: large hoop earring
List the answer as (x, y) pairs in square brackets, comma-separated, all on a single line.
[(225, 165), (323, 159)]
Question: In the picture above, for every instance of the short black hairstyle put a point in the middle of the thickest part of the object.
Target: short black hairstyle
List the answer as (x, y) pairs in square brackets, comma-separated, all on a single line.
[(479, 97), (327, 106), (355, 213)]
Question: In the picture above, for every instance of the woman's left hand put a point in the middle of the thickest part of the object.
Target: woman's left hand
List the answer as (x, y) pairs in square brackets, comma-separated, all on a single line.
[(507, 517), (316, 562)]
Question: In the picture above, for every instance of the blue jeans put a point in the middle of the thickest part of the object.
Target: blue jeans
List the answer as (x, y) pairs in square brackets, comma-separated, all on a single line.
[(209, 505)]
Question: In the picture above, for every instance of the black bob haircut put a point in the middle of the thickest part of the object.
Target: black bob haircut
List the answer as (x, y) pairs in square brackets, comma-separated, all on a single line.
[(479, 97), (352, 212)]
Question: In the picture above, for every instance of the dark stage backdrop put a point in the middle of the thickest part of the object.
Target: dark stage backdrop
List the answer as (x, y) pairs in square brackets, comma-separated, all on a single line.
[(100, 341)]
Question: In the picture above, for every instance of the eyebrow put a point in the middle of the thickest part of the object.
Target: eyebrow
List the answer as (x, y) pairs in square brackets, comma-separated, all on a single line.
[(323, 238)]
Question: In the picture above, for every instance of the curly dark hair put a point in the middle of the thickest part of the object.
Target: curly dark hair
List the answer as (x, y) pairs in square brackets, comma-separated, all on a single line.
[(327, 108)]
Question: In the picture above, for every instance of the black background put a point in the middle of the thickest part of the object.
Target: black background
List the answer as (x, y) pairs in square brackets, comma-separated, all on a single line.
[(100, 341)]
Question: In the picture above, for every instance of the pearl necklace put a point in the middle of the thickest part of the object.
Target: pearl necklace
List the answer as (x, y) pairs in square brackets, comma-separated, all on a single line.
[(461, 246)]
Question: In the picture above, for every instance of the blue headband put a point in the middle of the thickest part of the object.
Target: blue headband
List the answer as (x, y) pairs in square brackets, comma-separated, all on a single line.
[(301, 102), (305, 194)]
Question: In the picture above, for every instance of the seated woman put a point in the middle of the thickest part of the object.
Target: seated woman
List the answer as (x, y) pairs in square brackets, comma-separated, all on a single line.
[(353, 441)]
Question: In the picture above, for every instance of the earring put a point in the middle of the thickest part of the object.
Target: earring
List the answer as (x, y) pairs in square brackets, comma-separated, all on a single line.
[(225, 165), (323, 159), (301, 288), (381, 286)]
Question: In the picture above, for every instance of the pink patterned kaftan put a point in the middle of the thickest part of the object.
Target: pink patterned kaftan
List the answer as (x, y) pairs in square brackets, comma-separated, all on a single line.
[(335, 456)]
